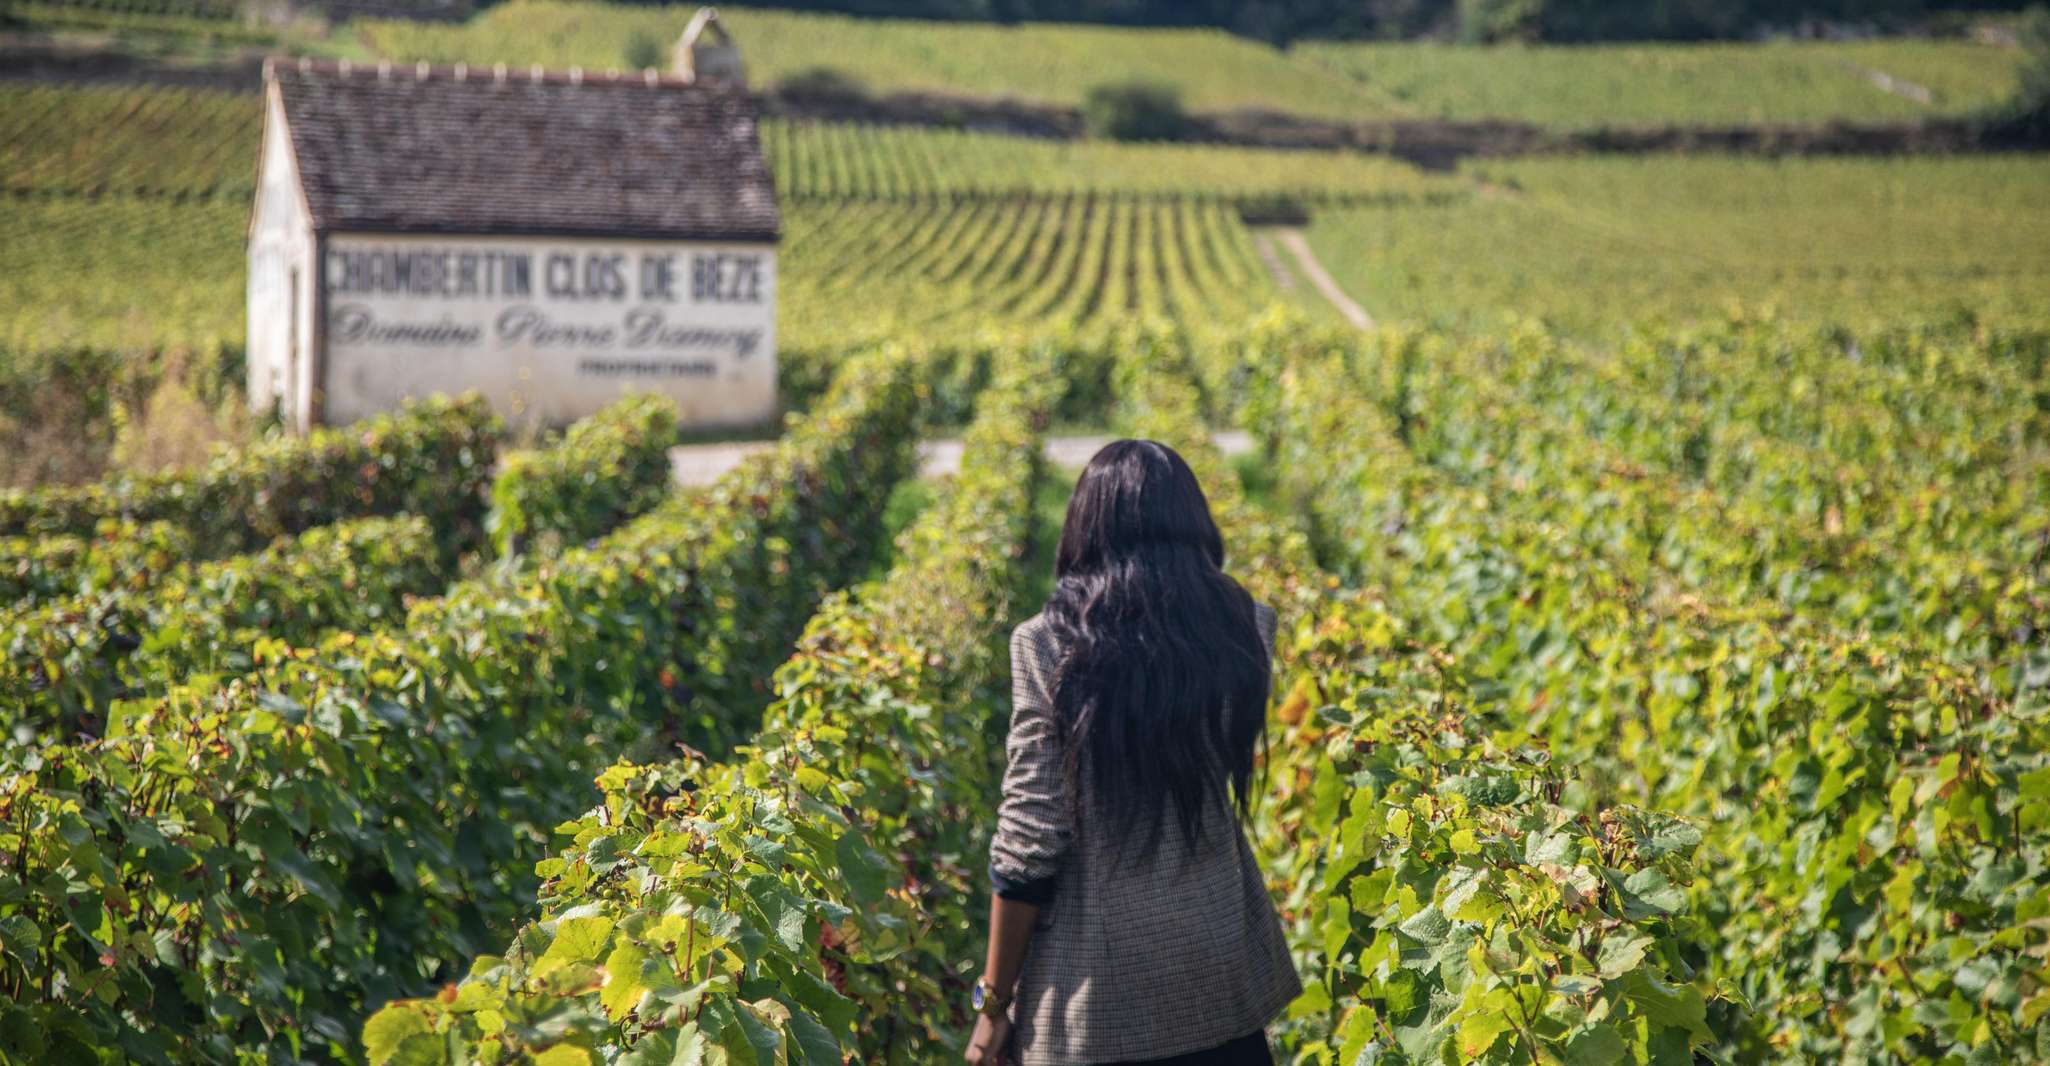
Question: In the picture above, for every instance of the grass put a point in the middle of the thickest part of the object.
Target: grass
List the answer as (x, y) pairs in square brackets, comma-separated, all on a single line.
[(1046, 62), (1591, 243), (1578, 86), (1564, 86), (1634, 85)]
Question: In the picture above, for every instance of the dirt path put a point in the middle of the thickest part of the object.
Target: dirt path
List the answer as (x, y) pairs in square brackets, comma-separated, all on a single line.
[(701, 464), (1885, 82), (1263, 245), (1321, 278)]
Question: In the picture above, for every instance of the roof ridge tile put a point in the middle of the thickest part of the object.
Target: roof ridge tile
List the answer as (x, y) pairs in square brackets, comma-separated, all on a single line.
[(277, 68)]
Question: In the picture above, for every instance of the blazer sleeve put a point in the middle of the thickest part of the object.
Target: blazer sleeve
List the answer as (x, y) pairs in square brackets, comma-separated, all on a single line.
[(1032, 823)]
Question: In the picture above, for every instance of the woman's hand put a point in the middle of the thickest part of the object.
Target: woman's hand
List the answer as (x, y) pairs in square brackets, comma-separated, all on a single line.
[(990, 1044)]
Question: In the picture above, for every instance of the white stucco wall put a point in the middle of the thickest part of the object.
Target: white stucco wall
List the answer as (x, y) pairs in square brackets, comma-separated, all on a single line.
[(549, 329), (281, 328)]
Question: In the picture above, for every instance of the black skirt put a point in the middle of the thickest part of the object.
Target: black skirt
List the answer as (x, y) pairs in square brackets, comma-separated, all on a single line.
[(1248, 1050)]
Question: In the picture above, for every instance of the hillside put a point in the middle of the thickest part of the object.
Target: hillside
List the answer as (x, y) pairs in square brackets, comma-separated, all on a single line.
[(1570, 87), (1567, 87), (1578, 241)]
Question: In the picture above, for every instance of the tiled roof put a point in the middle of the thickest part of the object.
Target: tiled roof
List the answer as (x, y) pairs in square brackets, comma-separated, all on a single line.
[(403, 148)]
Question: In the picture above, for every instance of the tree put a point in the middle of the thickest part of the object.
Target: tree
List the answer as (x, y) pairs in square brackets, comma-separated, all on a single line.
[(1134, 111), (2025, 121), (643, 51), (1484, 21)]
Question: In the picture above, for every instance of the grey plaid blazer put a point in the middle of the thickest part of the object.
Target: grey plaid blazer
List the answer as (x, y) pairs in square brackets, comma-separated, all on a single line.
[(1133, 961)]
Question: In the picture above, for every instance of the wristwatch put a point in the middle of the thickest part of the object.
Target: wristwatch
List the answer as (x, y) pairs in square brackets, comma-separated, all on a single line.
[(986, 1000)]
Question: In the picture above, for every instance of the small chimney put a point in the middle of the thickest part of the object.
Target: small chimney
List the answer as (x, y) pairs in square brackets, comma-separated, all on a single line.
[(706, 54)]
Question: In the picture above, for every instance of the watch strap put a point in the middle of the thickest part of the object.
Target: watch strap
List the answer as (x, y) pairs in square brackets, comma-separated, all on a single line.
[(993, 1002)]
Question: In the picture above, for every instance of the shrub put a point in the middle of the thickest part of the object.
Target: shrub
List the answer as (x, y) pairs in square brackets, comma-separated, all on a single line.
[(645, 52), (606, 469), (2024, 122), (115, 555), (1490, 21), (821, 83), (1873, 817), (433, 459), (809, 896), (1134, 111), (65, 663), (1448, 902), (262, 861), (1448, 892)]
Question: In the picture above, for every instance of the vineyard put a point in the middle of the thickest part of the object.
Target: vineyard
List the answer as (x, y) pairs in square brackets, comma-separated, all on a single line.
[(1625, 710), (130, 251), (1663, 670), (828, 161), (1083, 260)]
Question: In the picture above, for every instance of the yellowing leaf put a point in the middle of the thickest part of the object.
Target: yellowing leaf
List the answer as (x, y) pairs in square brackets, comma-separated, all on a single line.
[(576, 940), (2035, 1007), (623, 987), (1479, 1031), (397, 1036)]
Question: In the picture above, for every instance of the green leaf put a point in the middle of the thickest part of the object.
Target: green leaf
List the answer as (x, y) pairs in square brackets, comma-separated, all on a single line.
[(782, 910), (1555, 848), (1337, 926), (1660, 835), (722, 1025), (690, 1046), (1354, 1034), (822, 1000), (308, 874), (765, 1038), (1596, 1045), (812, 1041), (1315, 1001), (1621, 954), (19, 936), (861, 868), (1404, 993), (1673, 1006), (1649, 893), (1428, 926)]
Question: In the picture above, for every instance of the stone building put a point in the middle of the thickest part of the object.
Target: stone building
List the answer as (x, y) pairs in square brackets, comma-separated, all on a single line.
[(548, 238)]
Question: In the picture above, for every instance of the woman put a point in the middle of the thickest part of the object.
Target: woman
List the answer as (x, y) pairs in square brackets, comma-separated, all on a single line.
[(1130, 922)]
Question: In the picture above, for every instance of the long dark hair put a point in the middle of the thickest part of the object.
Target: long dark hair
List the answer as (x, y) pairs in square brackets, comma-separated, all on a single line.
[(1161, 691)]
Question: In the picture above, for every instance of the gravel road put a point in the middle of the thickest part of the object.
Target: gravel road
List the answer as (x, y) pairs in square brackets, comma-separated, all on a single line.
[(701, 464)]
